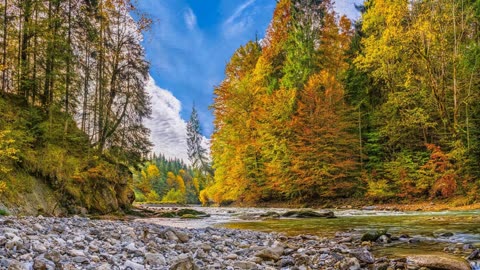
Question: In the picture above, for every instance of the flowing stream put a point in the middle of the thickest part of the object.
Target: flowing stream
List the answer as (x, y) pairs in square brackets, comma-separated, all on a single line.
[(429, 232)]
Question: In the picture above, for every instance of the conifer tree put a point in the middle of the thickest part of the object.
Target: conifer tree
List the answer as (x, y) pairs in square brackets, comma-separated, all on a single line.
[(197, 154)]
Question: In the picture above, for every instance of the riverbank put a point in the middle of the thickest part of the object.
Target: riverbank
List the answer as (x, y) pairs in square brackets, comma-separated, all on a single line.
[(454, 204), (82, 243)]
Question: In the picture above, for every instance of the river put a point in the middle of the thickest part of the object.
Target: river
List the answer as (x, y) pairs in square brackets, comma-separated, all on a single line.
[(428, 232)]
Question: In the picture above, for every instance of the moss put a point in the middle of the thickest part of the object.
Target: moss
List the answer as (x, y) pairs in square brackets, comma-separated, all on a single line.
[(188, 211), (372, 236), (168, 214), (189, 216), (3, 212)]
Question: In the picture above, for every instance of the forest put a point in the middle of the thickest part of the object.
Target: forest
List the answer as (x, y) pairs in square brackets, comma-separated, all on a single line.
[(72, 99), (385, 109), (323, 108)]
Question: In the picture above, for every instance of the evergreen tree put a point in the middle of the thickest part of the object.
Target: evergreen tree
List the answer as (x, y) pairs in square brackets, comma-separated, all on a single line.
[(197, 154)]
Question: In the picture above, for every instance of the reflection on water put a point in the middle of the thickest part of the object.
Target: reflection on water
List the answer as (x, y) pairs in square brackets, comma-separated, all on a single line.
[(434, 230)]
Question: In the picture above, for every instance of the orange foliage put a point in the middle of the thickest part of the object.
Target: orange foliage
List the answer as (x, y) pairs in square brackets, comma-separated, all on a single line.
[(442, 171)]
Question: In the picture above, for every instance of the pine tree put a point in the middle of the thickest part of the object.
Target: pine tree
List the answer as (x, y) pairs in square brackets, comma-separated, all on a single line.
[(197, 154)]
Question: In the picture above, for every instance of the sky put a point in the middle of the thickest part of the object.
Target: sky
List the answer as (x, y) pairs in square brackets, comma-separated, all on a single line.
[(188, 47)]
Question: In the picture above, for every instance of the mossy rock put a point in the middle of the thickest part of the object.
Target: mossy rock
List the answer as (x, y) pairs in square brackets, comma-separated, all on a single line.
[(193, 212), (372, 236), (189, 216), (168, 215), (308, 214), (369, 237)]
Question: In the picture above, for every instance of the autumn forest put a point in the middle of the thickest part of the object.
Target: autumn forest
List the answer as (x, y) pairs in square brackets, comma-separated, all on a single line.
[(384, 109), (380, 109)]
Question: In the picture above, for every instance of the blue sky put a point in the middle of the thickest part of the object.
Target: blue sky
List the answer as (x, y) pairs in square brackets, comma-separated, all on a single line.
[(188, 47), (191, 41)]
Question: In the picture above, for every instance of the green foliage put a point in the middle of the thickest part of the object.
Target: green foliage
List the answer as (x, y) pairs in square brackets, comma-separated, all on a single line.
[(62, 158), (174, 196), (155, 178)]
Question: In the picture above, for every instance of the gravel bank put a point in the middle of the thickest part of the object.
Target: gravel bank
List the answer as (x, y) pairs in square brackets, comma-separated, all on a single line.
[(82, 243)]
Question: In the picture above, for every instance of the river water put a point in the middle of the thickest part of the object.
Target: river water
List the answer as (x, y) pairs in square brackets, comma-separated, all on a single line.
[(431, 231)]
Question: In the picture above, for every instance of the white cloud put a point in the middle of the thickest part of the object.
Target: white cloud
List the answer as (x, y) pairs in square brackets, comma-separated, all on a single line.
[(239, 11), (238, 22), (168, 129), (347, 7), (190, 19)]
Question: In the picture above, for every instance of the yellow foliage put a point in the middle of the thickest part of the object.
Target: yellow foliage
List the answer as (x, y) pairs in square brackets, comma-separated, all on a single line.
[(204, 197), (180, 184), (152, 196), (379, 189), (152, 171), (171, 180), (3, 187), (7, 151)]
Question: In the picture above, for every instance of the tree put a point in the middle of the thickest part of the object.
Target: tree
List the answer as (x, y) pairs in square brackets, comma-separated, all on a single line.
[(197, 154)]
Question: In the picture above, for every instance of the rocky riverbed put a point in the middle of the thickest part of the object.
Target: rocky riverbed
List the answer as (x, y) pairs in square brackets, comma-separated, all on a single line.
[(82, 243)]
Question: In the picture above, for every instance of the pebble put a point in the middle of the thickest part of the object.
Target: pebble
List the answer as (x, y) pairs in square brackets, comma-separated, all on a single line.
[(81, 243)]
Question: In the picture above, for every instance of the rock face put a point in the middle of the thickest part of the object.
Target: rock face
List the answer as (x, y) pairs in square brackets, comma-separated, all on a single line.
[(439, 262)]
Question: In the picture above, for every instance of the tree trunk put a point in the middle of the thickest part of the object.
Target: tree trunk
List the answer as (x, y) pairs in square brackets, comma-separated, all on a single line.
[(5, 40)]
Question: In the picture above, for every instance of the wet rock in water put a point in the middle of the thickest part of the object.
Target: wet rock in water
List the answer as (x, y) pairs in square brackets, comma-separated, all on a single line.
[(474, 255), (270, 214), (439, 262), (370, 237), (414, 240), (308, 214), (383, 239)]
